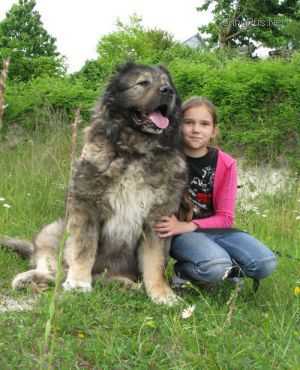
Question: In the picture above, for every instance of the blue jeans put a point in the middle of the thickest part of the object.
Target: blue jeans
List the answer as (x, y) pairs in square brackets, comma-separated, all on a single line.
[(210, 255)]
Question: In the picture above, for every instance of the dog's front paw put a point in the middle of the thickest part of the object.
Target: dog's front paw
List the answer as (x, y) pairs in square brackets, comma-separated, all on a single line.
[(32, 278), (22, 280), (82, 286), (163, 295)]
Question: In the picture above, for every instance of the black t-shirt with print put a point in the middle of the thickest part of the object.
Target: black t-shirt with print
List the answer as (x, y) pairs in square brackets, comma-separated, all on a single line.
[(201, 179)]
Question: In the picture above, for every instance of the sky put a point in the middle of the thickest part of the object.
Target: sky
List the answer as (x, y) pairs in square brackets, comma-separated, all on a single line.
[(78, 25)]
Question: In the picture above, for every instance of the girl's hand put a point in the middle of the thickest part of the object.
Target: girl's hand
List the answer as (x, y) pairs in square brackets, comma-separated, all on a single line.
[(170, 226)]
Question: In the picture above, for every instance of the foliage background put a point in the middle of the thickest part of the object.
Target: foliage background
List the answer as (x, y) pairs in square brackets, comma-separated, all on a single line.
[(258, 100)]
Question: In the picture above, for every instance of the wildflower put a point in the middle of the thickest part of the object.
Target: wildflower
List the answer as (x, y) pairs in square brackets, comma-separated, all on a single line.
[(5, 205), (264, 215), (2, 199), (297, 291), (81, 335), (187, 312), (298, 217)]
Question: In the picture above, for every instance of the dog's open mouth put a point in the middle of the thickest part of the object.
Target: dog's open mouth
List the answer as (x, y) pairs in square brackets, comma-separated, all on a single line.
[(154, 122)]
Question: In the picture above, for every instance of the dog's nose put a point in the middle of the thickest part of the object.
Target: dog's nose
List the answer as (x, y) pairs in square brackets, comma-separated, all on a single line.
[(166, 89)]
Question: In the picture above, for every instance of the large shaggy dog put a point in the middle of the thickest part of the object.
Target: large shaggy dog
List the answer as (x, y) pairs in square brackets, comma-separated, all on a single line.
[(128, 176)]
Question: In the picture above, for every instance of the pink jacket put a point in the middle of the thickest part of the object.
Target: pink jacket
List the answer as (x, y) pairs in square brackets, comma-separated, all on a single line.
[(224, 194)]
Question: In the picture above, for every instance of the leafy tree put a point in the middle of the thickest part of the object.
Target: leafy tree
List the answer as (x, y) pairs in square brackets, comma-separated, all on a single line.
[(31, 49), (251, 23), (133, 42), (91, 73)]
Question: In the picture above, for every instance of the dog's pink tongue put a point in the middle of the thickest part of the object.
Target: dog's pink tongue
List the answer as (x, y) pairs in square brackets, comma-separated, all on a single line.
[(159, 120)]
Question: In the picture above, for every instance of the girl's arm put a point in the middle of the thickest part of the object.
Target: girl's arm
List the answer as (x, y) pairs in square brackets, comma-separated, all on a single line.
[(224, 204)]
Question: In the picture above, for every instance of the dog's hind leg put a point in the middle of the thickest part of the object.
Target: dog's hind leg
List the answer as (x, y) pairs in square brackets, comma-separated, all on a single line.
[(44, 257), (81, 249), (152, 261), (24, 248)]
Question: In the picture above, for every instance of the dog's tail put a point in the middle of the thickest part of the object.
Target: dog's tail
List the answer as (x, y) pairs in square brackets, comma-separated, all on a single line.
[(24, 248)]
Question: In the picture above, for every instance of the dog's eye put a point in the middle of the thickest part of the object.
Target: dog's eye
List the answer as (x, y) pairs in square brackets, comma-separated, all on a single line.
[(143, 83)]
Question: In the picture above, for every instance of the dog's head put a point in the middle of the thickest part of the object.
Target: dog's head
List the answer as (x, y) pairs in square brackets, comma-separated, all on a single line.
[(144, 98)]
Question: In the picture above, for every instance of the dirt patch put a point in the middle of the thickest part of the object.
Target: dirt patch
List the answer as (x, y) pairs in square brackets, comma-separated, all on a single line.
[(8, 304), (255, 182)]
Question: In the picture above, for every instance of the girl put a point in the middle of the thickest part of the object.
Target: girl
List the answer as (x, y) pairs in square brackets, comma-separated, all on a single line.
[(207, 249)]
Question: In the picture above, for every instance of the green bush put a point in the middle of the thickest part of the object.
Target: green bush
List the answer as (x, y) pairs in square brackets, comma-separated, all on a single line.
[(258, 102), (26, 100)]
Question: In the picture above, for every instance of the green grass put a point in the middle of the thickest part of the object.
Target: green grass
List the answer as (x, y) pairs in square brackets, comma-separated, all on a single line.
[(113, 328)]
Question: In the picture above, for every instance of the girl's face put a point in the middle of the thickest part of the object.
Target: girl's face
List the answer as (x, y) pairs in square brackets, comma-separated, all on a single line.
[(197, 130)]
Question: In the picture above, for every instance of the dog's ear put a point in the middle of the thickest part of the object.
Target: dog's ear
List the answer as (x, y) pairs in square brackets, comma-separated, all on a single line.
[(104, 124), (111, 126), (172, 134), (177, 110), (112, 132), (166, 71)]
